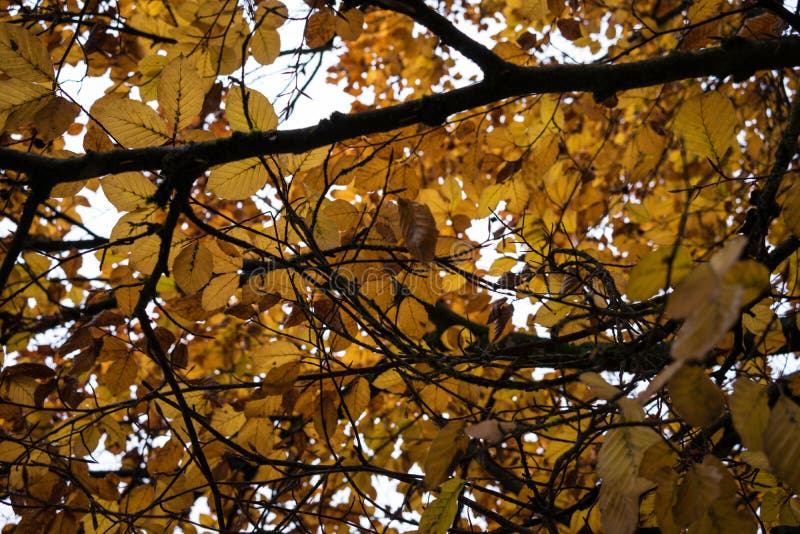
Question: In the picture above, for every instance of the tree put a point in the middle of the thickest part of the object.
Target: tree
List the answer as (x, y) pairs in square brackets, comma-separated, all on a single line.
[(555, 295)]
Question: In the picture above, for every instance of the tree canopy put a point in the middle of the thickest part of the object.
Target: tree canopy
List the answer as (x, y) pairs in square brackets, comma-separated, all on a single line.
[(543, 275)]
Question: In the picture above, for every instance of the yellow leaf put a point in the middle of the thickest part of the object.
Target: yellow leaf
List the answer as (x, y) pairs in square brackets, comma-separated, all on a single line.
[(238, 180), (750, 412), (620, 458), (219, 291), (782, 441), (274, 354), (695, 397), (357, 398), (227, 421), (281, 379), (144, 253), (130, 122), (326, 415), (23, 56), (390, 380), (180, 93), (446, 448), (21, 100), (440, 514), (265, 45), (791, 210), (412, 318), (419, 229), (128, 190), (120, 375), (707, 124), (193, 267), (126, 289), (55, 117), (247, 109), (11, 451), (649, 276), (258, 434), (227, 258)]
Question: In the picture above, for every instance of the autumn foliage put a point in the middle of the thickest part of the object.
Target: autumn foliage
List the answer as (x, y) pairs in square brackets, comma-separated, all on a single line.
[(543, 276)]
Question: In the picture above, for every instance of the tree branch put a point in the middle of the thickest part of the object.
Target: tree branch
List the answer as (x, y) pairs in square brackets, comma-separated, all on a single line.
[(740, 60)]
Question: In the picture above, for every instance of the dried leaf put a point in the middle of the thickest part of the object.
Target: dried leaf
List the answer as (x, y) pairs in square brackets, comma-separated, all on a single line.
[(419, 229)]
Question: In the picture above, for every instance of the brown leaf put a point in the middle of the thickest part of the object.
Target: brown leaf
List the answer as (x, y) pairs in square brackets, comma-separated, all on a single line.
[(569, 28), (419, 229)]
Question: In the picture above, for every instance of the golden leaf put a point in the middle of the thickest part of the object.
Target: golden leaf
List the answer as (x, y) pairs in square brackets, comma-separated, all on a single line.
[(707, 124), (227, 421), (257, 434), (750, 412), (193, 267), (446, 448), (782, 441), (438, 516), (621, 455), (265, 45), (695, 397), (280, 379), (707, 325), (180, 93), (238, 180), (219, 291), (120, 375), (619, 512), (649, 276), (131, 123), (272, 14), (23, 56), (357, 398), (247, 109), (128, 191)]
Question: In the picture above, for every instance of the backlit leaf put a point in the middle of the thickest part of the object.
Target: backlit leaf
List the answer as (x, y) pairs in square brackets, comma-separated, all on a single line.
[(23, 56), (193, 267), (128, 190), (219, 290), (239, 179), (249, 110), (180, 93), (265, 45), (131, 123), (707, 124)]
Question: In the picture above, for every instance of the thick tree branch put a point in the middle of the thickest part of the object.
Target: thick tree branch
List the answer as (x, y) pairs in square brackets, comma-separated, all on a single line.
[(740, 60)]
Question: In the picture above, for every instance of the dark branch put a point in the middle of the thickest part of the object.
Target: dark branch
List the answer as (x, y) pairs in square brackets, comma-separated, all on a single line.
[(742, 58)]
